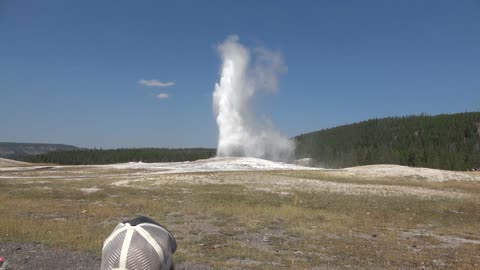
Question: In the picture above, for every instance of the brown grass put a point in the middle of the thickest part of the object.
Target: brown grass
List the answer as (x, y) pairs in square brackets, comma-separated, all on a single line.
[(231, 226)]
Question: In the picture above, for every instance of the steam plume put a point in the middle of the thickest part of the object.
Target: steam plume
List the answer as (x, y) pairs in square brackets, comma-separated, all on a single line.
[(240, 134)]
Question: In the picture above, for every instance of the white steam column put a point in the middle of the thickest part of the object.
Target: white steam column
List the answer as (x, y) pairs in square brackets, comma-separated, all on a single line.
[(240, 134)]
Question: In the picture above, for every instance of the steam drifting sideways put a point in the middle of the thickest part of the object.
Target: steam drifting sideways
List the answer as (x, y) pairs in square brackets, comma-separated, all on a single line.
[(240, 133)]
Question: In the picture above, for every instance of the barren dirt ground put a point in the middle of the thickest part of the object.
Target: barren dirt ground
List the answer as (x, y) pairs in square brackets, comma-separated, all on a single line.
[(242, 213)]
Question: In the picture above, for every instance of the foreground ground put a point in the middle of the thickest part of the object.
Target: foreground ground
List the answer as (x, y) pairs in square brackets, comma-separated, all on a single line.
[(260, 216)]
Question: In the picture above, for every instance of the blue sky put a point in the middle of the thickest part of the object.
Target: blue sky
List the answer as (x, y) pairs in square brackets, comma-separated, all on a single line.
[(70, 70)]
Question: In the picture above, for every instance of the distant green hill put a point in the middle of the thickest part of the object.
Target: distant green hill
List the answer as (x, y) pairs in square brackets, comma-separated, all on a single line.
[(19, 150), (446, 141)]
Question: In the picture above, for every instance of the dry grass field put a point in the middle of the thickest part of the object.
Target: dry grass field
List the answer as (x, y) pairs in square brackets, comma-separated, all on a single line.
[(256, 219)]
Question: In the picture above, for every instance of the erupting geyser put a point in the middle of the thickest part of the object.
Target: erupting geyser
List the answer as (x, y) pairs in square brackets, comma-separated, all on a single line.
[(240, 134)]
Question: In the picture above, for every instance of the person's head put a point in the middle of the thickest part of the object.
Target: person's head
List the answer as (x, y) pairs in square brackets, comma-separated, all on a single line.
[(136, 244)]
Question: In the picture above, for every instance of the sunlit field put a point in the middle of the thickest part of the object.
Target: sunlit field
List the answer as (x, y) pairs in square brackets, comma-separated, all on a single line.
[(289, 219)]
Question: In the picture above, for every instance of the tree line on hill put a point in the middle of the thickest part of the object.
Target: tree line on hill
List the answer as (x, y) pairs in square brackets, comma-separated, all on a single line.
[(444, 141), (110, 156), (18, 150)]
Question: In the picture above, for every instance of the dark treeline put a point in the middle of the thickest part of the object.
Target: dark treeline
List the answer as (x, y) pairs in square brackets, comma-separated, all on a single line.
[(444, 141), (100, 156)]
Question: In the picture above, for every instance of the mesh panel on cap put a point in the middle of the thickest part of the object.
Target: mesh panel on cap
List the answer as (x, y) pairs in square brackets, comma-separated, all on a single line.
[(162, 237), (111, 251), (141, 254)]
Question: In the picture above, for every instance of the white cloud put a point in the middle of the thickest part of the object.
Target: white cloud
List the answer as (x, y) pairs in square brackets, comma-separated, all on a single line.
[(162, 96), (155, 83)]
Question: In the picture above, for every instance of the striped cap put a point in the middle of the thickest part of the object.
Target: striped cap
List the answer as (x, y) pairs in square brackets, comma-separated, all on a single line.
[(140, 243)]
